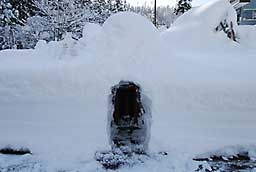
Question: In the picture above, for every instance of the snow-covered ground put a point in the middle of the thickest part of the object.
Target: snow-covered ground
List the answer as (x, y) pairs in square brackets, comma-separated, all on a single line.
[(53, 100)]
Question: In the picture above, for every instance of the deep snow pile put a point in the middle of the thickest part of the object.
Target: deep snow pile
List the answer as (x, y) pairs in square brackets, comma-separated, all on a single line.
[(53, 100), (201, 22)]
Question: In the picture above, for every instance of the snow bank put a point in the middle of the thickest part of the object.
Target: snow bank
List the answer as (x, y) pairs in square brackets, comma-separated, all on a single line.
[(196, 28), (208, 16)]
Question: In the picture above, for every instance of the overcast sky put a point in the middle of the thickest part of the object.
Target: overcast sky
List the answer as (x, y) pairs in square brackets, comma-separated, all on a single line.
[(163, 2)]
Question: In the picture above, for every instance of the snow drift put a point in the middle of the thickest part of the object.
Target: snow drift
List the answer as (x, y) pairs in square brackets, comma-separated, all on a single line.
[(196, 29), (208, 16)]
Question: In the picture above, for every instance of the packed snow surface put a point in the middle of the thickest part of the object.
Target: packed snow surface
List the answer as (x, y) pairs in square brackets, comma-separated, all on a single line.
[(53, 100)]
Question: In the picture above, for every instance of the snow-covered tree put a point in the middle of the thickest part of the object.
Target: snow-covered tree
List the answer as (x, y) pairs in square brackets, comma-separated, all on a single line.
[(101, 10), (79, 13), (40, 27), (17, 11), (182, 6), (165, 14), (13, 16), (24, 22), (119, 5), (8, 14), (26, 8), (68, 16), (8, 18)]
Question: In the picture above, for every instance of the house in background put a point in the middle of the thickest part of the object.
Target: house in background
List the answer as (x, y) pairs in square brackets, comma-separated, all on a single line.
[(246, 11)]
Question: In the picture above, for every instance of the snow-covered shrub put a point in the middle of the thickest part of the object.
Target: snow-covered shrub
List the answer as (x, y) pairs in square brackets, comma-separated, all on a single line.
[(227, 28)]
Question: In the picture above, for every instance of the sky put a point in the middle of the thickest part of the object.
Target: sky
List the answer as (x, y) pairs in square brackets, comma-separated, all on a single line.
[(163, 2)]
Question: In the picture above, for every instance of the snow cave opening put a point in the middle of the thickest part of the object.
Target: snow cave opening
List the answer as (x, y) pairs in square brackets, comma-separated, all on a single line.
[(130, 116)]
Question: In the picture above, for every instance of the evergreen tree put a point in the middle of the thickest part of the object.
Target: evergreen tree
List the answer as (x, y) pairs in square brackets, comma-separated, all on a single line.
[(119, 5), (182, 6), (24, 22), (110, 5), (165, 14), (68, 16), (101, 11), (8, 14), (81, 13), (18, 11), (26, 8)]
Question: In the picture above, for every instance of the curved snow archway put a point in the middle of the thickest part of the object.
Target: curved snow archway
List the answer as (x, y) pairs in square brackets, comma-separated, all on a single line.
[(129, 118)]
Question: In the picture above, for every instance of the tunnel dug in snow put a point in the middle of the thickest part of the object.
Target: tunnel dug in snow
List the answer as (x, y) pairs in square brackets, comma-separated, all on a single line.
[(129, 118)]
